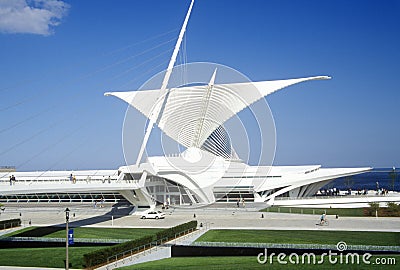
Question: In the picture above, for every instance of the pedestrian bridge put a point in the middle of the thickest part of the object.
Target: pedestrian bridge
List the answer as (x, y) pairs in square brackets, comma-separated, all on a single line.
[(66, 186), (71, 186)]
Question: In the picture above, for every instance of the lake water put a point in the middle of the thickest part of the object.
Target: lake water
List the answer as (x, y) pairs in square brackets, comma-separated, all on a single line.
[(368, 180)]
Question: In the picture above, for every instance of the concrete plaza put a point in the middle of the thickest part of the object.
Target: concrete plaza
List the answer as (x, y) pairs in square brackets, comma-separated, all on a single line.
[(215, 217), (218, 216)]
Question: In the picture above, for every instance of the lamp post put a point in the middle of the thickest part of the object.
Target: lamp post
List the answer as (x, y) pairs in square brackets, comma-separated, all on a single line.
[(66, 239)]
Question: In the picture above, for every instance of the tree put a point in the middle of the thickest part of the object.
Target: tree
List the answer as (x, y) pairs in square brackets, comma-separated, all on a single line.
[(392, 207), (374, 206)]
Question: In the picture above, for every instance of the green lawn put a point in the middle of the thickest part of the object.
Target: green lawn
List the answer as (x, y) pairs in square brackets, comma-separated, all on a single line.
[(87, 232), (302, 237), (18, 231), (44, 257), (106, 233), (231, 263), (343, 212), (53, 257)]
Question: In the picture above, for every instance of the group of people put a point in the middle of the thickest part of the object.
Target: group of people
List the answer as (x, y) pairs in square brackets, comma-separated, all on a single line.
[(108, 179), (336, 192), (382, 191), (12, 180), (101, 203), (88, 179), (238, 203), (360, 192), (72, 179), (329, 192), (349, 191)]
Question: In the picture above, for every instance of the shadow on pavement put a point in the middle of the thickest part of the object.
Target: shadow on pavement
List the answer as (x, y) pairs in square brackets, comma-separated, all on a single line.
[(116, 212)]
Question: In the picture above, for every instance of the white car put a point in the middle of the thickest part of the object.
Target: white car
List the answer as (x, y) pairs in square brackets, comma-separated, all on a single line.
[(153, 214)]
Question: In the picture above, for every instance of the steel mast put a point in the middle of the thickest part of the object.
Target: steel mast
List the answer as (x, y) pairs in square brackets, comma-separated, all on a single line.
[(157, 112)]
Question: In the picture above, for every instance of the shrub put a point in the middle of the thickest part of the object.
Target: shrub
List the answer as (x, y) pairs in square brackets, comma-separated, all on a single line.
[(392, 207), (11, 223), (373, 208), (100, 256)]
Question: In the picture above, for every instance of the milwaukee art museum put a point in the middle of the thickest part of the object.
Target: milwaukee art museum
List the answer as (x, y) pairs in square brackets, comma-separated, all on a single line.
[(206, 170)]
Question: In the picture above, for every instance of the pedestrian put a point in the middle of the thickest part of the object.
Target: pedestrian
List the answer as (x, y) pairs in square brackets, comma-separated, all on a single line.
[(323, 219), (243, 202), (10, 180), (70, 177), (13, 179), (237, 203)]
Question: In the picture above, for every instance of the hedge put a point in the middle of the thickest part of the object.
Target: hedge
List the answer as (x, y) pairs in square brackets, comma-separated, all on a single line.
[(11, 223), (171, 232), (100, 256)]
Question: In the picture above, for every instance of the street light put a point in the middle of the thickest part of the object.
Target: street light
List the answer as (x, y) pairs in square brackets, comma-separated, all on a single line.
[(66, 238)]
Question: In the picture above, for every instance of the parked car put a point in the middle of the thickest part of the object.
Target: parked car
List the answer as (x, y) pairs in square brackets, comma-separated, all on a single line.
[(153, 214)]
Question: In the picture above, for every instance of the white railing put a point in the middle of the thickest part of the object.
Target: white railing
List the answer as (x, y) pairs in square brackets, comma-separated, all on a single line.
[(64, 181)]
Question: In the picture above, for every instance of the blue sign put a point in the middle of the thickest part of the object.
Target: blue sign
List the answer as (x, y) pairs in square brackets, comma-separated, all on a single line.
[(70, 236)]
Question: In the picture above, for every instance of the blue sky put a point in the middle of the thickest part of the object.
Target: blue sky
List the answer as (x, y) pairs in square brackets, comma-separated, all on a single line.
[(59, 58)]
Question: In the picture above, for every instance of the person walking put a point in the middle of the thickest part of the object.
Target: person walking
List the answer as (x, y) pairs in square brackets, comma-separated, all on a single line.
[(13, 180), (323, 219)]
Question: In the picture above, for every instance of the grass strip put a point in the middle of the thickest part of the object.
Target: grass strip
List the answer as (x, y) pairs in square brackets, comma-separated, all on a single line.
[(302, 237), (107, 233), (85, 232), (244, 263), (44, 257)]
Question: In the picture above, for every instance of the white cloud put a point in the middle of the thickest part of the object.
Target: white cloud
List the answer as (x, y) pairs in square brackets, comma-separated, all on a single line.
[(31, 16)]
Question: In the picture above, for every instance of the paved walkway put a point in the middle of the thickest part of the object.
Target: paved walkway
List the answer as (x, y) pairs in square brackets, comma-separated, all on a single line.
[(228, 218)]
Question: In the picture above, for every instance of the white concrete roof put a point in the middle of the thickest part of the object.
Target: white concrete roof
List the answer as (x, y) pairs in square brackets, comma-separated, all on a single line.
[(185, 105)]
